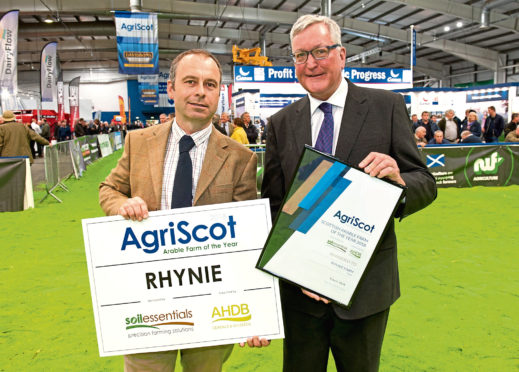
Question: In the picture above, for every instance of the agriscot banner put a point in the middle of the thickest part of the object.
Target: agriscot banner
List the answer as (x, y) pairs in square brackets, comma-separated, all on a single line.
[(137, 43)]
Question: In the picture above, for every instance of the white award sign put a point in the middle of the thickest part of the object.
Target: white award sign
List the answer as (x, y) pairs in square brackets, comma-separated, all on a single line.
[(182, 278)]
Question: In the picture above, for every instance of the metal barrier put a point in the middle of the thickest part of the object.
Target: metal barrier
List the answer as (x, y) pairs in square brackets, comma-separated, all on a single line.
[(260, 152), (70, 158)]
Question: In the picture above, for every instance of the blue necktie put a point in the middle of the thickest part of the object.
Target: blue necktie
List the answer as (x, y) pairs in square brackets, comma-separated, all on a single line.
[(324, 141), (183, 185)]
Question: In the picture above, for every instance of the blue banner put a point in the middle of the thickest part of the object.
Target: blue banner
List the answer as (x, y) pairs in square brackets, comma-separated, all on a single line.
[(286, 74), (413, 47), (501, 95), (149, 89), (137, 43)]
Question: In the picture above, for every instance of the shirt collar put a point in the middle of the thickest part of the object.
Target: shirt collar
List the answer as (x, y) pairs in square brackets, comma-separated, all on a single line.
[(338, 98), (198, 137)]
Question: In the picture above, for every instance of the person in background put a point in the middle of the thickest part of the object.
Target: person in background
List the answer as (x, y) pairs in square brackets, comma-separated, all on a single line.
[(238, 132), (419, 136), (193, 161), (494, 126), (451, 126), (510, 127), (513, 136), (468, 137), (427, 124), (472, 124), (80, 128), (163, 118), (225, 123), (250, 129), (368, 128), (438, 139), (15, 137), (414, 120), (216, 123), (45, 130), (64, 133)]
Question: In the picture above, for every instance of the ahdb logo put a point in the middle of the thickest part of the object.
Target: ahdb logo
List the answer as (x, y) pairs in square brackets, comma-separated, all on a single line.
[(231, 313), (435, 160), (488, 165)]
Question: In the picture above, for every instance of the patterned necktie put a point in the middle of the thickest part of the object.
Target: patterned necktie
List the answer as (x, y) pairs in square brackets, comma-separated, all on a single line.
[(324, 141), (183, 185)]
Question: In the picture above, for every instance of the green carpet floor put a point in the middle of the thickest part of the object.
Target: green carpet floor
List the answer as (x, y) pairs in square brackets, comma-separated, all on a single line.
[(458, 269)]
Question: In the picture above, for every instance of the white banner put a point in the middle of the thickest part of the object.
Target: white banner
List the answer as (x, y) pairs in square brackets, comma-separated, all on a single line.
[(182, 278), (48, 69), (8, 51)]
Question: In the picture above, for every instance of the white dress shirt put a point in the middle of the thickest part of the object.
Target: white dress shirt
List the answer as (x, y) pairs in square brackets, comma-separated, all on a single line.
[(337, 100)]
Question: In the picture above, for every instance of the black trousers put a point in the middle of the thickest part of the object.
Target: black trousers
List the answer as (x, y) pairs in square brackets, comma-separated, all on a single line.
[(355, 344)]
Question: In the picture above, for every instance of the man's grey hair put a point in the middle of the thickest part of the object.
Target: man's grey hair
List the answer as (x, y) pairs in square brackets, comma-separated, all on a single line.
[(307, 20), (465, 134), (176, 61), (419, 130)]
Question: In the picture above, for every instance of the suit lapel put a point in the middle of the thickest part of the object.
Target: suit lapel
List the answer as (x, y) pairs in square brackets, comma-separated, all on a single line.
[(353, 118), (214, 159), (301, 124), (157, 142)]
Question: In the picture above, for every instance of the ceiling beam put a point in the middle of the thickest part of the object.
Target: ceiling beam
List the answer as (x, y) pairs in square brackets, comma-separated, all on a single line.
[(465, 12)]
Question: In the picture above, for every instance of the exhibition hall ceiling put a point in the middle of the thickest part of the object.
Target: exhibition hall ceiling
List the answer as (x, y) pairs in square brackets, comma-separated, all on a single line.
[(452, 35)]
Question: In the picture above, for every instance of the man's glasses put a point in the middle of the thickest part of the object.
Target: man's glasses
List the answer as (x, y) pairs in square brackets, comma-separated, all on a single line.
[(301, 56)]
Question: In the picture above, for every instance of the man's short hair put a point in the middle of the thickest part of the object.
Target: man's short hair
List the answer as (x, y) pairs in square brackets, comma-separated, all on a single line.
[(465, 134), (492, 108), (242, 115), (449, 110), (514, 115), (425, 112), (306, 21), (176, 61), (438, 132), (418, 129)]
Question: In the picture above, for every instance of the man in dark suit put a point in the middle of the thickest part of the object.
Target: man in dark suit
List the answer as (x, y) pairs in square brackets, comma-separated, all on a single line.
[(369, 129), (494, 126), (468, 137)]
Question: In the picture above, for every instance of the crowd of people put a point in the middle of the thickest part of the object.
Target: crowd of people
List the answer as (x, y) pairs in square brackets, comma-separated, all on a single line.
[(451, 130)]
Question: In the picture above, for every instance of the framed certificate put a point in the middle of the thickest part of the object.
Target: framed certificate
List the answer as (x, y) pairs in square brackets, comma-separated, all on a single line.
[(181, 278), (330, 224)]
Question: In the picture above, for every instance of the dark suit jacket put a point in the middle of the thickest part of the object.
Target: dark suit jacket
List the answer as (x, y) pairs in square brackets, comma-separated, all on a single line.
[(228, 171), (373, 120)]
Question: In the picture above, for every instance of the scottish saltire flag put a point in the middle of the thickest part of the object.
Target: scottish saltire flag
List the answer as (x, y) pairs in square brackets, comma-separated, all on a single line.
[(8, 53), (48, 71), (435, 160), (137, 43)]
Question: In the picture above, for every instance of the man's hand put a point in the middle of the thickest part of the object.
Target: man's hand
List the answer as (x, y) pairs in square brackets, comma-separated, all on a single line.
[(381, 165), (256, 342), (134, 209), (314, 296)]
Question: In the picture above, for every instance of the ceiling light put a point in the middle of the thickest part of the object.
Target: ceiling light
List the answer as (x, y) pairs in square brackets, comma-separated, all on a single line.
[(217, 39), (485, 12), (459, 24), (446, 29), (48, 19)]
